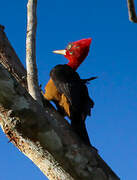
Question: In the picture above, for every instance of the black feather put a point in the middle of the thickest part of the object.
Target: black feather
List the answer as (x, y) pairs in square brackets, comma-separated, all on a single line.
[(68, 82)]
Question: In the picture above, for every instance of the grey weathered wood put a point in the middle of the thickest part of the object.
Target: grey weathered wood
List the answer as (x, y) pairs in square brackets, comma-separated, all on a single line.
[(10, 60), (42, 134), (38, 133), (32, 77)]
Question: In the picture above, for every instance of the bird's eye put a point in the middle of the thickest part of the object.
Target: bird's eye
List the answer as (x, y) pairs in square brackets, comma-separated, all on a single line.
[(77, 46), (71, 52), (69, 46)]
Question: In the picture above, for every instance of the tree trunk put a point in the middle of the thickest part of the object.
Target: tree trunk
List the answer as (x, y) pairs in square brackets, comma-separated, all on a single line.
[(41, 133)]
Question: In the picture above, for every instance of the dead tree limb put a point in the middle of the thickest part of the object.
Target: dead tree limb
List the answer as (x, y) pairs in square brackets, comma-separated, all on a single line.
[(42, 134), (32, 77), (26, 125), (10, 60), (131, 11)]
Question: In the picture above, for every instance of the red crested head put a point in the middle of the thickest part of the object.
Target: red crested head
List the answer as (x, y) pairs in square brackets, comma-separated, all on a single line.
[(76, 52)]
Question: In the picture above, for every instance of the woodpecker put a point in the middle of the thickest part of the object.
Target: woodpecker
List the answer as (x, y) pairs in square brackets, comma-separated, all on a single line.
[(68, 91)]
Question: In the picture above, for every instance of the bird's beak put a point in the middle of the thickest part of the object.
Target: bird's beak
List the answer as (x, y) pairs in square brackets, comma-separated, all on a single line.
[(63, 52)]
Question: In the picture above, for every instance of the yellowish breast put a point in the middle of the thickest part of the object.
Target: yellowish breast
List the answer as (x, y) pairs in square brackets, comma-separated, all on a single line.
[(52, 94)]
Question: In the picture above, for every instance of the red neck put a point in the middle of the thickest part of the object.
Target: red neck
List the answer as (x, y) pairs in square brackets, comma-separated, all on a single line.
[(73, 65)]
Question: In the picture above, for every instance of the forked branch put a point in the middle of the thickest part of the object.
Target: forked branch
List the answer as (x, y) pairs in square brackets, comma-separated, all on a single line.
[(42, 134)]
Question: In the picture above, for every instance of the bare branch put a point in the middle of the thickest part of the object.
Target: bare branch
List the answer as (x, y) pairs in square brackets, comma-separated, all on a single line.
[(42, 134), (23, 124), (10, 60), (39, 134), (32, 78), (131, 11)]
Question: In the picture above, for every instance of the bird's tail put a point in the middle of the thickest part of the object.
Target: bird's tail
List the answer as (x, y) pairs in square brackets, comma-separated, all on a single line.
[(80, 129)]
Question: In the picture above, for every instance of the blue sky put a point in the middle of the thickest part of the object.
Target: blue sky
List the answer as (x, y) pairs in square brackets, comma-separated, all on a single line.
[(113, 58)]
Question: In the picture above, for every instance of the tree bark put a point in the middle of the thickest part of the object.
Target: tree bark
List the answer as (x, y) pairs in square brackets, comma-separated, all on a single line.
[(32, 77), (10, 60), (42, 134), (131, 11)]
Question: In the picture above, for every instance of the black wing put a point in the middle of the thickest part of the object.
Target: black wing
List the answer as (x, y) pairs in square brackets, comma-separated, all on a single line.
[(68, 82)]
